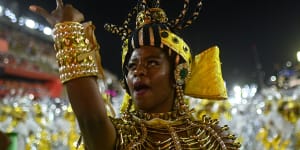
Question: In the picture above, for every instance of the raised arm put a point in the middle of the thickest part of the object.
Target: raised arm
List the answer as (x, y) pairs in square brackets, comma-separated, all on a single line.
[(96, 128)]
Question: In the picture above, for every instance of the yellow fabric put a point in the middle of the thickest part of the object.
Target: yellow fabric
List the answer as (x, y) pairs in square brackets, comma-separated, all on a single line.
[(125, 102), (180, 47), (206, 79)]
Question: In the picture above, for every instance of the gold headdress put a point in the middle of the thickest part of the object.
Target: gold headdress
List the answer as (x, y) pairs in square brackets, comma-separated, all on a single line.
[(201, 76)]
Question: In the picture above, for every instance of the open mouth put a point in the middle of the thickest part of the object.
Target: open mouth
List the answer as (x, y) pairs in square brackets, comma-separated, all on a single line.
[(140, 88)]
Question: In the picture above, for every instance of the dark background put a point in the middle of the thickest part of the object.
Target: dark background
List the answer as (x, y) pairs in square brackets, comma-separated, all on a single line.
[(249, 33)]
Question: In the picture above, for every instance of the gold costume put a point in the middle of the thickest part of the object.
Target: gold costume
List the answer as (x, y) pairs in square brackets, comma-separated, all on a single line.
[(198, 77), (166, 131)]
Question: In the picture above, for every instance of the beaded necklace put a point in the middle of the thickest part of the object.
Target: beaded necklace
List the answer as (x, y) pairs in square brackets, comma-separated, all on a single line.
[(171, 131)]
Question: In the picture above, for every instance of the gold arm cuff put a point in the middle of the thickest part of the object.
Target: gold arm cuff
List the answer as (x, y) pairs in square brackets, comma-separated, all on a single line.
[(77, 51)]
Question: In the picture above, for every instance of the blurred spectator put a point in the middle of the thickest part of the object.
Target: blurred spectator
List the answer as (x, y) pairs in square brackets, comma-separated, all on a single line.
[(3, 42), (14, 6)]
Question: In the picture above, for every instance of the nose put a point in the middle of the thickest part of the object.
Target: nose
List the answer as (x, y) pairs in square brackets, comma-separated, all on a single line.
[(140, 70)]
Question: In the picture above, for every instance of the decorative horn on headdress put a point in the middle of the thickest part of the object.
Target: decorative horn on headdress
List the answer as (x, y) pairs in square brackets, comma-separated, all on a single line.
[(176, 22), (124, 30)]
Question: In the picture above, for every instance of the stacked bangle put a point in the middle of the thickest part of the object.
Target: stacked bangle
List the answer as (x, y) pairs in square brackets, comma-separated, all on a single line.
[(76, 55)]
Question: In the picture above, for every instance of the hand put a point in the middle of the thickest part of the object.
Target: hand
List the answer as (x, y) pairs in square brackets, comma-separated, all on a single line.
[(62, 13)]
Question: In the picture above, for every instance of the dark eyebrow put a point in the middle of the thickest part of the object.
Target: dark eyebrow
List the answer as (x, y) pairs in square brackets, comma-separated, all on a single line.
[(153, 57), (147, 58), (160, 56)]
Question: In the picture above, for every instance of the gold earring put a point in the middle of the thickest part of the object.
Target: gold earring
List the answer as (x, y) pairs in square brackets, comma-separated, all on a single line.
[(182, 72)]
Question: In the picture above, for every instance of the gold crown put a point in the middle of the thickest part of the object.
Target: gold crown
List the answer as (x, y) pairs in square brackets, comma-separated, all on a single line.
[(148, 11), (151, 15)]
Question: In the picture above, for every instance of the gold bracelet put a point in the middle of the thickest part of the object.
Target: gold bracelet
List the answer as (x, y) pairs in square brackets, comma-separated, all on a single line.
[(77, 54)]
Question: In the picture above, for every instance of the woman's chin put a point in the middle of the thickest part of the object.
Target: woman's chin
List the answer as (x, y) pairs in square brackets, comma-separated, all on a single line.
[(142, 106)]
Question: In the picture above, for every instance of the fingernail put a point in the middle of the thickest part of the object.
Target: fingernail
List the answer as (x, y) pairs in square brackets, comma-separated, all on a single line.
[(32, 8)]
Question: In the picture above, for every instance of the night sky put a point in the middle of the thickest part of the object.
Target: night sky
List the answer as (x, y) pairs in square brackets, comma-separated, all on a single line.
[(248, 32)]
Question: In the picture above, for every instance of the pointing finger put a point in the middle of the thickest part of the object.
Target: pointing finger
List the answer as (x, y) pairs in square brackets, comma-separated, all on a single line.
[(43, 12), (59, 3), (39, 10)]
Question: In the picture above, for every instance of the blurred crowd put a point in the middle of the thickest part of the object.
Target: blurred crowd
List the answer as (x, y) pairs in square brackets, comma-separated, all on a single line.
[(19, 49)]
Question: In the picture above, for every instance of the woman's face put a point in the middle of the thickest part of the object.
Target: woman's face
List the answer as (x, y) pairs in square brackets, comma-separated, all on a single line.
[(149, 80)]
